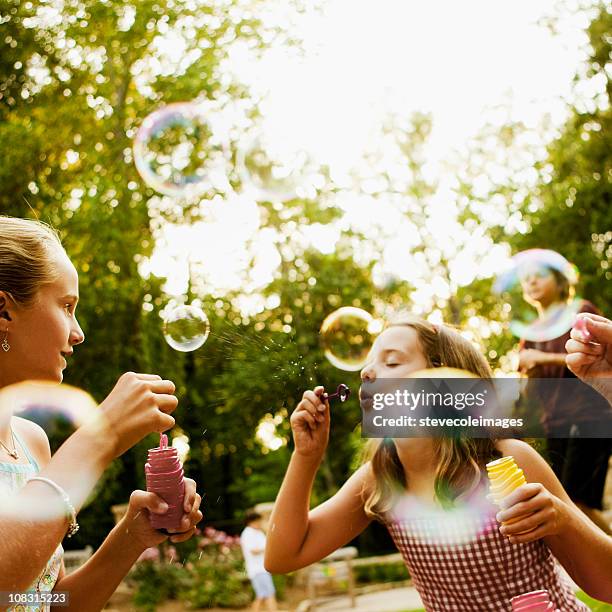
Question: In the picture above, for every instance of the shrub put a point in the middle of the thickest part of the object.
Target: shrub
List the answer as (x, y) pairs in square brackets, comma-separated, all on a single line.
[(216, 573), (209, 573), (381, 572), (157, 577)]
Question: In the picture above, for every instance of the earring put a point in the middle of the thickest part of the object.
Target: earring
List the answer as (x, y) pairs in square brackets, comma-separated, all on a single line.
[(6, 347)]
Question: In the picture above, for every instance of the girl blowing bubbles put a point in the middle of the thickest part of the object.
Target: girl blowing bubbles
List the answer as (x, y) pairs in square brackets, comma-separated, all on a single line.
[(38, 329), (431, 495)]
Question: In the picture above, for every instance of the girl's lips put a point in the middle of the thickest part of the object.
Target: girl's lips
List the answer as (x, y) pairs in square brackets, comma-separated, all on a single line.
[(365, 400)]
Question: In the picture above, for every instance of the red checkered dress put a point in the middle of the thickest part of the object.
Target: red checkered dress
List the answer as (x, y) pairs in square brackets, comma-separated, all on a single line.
[(460, 562)]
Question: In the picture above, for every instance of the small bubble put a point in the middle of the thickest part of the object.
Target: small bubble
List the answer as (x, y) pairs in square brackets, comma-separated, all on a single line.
[(347, 335)]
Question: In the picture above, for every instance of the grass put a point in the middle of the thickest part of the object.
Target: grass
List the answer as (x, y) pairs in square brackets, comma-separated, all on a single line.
[(596, 606)]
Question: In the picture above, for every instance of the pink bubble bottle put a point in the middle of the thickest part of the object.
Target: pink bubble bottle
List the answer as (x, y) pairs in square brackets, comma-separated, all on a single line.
[(165, 477), (536, 601)]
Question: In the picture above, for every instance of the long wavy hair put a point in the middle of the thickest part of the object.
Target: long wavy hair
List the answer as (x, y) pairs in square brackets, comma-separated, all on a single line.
[(460, 460)]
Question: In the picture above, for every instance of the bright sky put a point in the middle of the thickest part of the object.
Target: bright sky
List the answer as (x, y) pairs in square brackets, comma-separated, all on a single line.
[(364, 60)]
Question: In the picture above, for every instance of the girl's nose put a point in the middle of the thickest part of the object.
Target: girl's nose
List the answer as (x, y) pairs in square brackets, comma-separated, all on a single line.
[(368, 374), (76, 335)]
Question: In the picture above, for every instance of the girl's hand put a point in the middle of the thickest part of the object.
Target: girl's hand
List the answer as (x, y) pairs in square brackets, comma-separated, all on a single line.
[(539, 514), (590, 356), (192, 514), (138, 405), (137, 524), (531, 358), (310, 424)]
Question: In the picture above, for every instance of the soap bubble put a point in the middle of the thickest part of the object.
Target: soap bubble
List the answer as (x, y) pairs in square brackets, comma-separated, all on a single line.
[(522, 262), (60, 410), (347, 335), (556, 322), (186, 328), (273, 172), (177, 152), (532, 268)]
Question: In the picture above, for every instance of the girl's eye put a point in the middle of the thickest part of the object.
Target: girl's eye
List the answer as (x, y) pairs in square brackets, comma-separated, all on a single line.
[(392, 365), (68, 307)]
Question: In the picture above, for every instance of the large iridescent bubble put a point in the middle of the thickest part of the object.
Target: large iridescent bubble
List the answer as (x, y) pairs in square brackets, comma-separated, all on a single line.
[(347, 335), (60, 410), (186, 328), (534, 258), (556, 322), (271, 171), (178, 153), (556, 319)]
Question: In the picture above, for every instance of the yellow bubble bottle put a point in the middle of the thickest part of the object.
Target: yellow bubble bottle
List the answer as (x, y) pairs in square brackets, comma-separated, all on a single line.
[(504, 477)]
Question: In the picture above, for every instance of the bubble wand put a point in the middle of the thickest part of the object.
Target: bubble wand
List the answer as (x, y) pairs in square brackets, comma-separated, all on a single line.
[(342, 393)]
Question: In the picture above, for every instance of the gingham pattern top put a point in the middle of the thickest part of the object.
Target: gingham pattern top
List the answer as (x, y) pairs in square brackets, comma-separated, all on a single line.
[(460, 562)]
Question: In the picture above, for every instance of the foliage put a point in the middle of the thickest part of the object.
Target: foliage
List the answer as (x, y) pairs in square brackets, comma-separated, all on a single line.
[(156, 582), (212, 575), (381, 572), (216, 573), (556, 192), (76, 80)]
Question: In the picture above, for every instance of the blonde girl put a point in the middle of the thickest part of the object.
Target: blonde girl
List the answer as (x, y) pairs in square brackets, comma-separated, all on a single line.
[(38, 330), (431, 495)]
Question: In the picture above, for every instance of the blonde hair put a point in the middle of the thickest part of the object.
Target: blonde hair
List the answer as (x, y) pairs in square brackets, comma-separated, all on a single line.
[(26, 261), (460, 460)]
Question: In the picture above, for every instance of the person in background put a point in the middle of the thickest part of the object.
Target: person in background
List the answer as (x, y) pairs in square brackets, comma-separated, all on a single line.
[(253, 544), (579, 462)]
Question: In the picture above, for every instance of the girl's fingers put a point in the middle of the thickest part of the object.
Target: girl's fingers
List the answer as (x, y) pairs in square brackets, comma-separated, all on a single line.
[(528, 523), (162, 386), (523, 493), (166, 403), (195, 512), (523, 509), (313, 398), (164, 422), (182, 537), (323, 404), (139, 500), (601, 329), (191, 495), (312, 408), (308, 405), (593, 317), (304, 417), (197, 503), (578, 360), (532, 536), (190, 521), (577, 344)]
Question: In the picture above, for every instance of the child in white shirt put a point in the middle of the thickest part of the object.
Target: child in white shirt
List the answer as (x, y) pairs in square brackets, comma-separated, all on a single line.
[(253, 544)]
